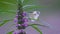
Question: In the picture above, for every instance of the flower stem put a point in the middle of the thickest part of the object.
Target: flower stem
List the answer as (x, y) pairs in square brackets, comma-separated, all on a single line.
[(20, 16), (20, 11)]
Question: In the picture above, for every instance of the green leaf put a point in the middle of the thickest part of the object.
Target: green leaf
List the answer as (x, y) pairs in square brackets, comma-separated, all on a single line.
[(32, 7), (28, 6), (22, 1), (36, 28), (8, 3), (10, 32), (8, 11), (4, 22), (26, 2), (38, 25), (8, 8)]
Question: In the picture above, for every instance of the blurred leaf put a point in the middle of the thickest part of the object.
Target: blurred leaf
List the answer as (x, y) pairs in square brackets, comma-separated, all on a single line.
[(8, 3), (8, 6), (31, 7), (28, 6), (8, 11), (22, 1), (38, 25), (37, 29), (4, 22), (10, 32), (26, 2)]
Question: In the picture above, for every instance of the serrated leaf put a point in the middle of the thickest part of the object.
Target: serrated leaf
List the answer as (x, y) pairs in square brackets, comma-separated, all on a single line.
[(37, 29), (4, 22), (10, 32)]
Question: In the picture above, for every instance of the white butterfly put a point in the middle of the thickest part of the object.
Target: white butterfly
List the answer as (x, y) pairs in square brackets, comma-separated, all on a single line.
[(33, 16)]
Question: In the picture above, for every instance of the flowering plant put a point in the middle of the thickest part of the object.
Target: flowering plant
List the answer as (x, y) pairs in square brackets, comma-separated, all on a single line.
[(23, 17)]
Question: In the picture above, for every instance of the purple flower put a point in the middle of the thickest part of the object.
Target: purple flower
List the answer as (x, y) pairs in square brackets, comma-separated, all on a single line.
[(25, 24), (21, 30), (25, 20), (24, 14)]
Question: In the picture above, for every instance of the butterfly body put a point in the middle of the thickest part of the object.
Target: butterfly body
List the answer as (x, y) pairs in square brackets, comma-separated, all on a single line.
[(33, 16)]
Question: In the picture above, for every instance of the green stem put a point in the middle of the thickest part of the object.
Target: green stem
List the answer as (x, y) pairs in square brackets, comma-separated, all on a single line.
[(20, 11)]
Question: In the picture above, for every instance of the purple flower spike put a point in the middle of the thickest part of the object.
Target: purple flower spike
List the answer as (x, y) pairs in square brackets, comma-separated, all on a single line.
[(24, 14)]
